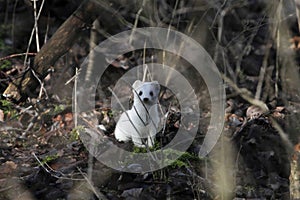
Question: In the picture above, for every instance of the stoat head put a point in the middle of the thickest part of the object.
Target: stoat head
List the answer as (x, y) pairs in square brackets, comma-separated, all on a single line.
[(147, 92)]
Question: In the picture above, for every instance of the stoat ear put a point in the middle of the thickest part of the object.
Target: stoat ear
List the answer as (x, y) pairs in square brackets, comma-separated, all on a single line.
[(157, 85), (137, 84)]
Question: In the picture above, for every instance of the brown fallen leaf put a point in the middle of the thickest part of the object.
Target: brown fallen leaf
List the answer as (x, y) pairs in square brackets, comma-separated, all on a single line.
[(68, 118), (279, 112), (295, 43), (1, 116)]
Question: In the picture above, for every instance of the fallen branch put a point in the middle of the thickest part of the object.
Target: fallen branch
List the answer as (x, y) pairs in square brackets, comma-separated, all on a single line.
[(58, 45)]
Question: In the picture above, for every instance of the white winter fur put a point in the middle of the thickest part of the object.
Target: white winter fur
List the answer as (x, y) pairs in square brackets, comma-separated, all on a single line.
[(142, 120)]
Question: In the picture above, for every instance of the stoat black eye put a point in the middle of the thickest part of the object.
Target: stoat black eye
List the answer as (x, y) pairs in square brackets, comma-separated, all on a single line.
[(140, 93), (151, 93)]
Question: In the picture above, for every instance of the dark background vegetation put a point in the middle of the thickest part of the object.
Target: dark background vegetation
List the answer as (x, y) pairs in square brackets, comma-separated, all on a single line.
[(255, 45)]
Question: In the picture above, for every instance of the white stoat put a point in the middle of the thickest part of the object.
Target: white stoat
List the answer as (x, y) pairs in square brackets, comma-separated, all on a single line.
[(142, 120)]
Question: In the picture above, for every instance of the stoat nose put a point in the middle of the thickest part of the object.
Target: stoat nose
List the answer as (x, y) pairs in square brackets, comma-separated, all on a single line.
[(146, 99)]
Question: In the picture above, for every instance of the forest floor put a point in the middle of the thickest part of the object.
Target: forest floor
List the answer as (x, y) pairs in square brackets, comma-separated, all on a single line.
[(43, 156)]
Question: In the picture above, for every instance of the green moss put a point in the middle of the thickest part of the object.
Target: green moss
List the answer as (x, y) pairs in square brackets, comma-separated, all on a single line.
[(178, 164), (184, 160), (7, 108), (184, 157), (49, 158), (5, 64), (139, 150), (144, 150), (111, 113), (5, 104), (58, 109), (74, 135)]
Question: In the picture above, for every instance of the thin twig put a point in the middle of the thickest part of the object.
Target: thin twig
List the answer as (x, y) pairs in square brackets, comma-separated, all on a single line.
[(52, 172), (30, 125), (73, 77), (75, 98), (278, 47), (136, 20), (98, 194), (173, 13), (41, 84), (36, 26), (262, 73), (282, 134), (17, 55), (47, 29), (246, 94), (32, 32)]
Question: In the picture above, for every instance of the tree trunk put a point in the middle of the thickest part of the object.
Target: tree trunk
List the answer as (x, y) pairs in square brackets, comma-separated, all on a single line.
[(59, 44)]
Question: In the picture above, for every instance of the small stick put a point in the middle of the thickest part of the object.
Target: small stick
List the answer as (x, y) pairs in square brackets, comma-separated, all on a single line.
[(52, 172), (17, 55), (32, 32), (36, 27), (98, 194)]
